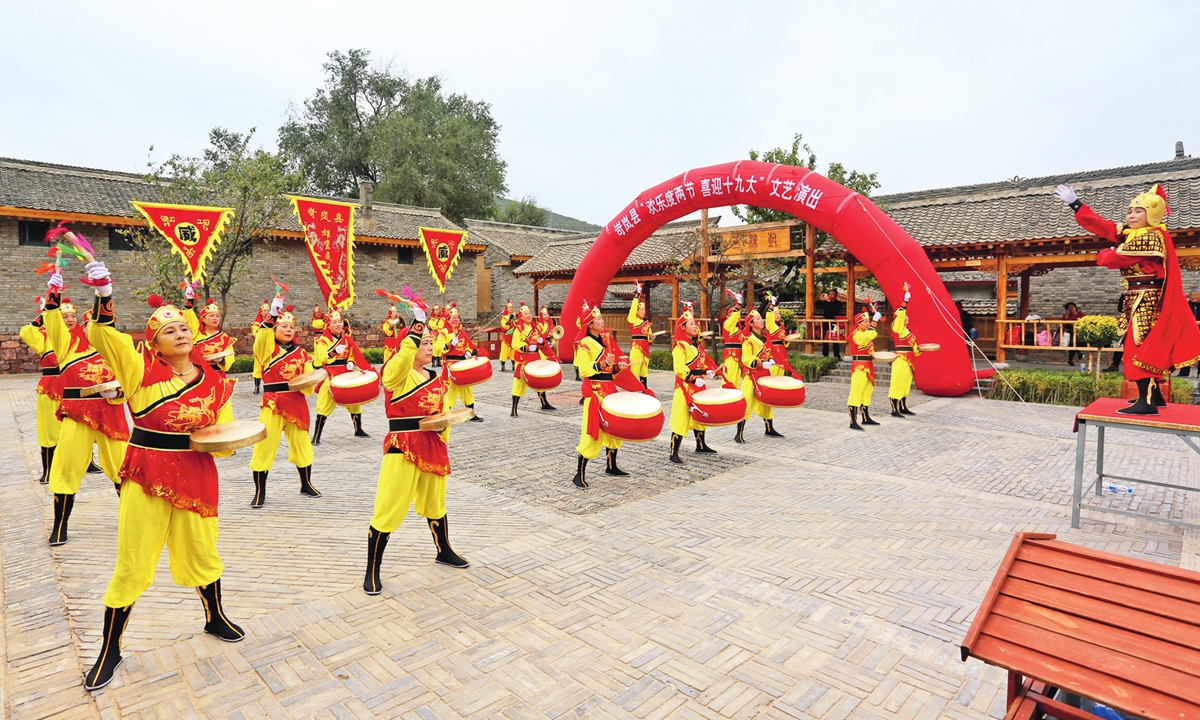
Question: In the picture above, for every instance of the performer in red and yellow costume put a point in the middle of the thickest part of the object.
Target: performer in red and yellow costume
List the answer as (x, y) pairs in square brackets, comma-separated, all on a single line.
[(318, 320), (528, 345), (902, 368), (436, 323), (545, 326), (263, 311), (1160, 329), (205, 327), (49, 389), (507, 319), (169, 492), (284, 411), (96, 420), (640, 332), (393, 332), (603, 368), (415, 461), (776, 334), (758, 360), (336, 351), (732, 335), (455, 345), (694, 371), (862, 369)]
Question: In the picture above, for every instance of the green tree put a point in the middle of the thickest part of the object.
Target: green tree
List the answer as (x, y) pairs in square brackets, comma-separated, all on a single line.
[(418, 144), (525, 211), (228, 174)]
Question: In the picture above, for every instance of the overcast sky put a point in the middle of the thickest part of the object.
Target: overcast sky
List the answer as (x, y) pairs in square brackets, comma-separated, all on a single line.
[(598, 102)]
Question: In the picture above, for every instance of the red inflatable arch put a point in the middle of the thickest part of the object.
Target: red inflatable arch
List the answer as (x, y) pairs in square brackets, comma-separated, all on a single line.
[(891, 254)]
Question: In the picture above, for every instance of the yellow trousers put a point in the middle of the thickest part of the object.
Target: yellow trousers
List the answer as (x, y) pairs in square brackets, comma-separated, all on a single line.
[(48, 425), (639, 362), (505, 352), (455, 392), (766, 412), (402, 484), (145, 524), (902, 377), (326, 405), (588, 447), (519, 387), (681, 417), (300, 451), (733, 371), (257, 369), (74, 454), (861, 387)]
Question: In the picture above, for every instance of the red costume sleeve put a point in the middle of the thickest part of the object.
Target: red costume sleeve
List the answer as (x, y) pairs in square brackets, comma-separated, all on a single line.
[(1098, 226)]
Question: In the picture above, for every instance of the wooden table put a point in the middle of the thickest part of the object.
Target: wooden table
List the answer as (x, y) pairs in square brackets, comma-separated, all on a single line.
[(1182, 421)]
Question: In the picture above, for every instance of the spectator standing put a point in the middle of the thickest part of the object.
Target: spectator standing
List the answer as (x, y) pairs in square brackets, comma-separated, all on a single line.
[(964, 317), (1072, 313), (829, 308)]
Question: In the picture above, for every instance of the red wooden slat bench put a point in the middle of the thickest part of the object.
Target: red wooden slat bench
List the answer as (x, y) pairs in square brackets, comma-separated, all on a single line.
[(1122, 632)]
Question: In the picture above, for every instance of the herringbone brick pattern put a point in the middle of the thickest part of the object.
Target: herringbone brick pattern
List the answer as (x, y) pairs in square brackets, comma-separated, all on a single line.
[(830, 574)]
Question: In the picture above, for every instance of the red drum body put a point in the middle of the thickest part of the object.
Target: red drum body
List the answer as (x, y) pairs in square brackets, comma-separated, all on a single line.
[(474, 371), (780, 391), (354, 387), (542, 375), (718, 407), (631, 416)]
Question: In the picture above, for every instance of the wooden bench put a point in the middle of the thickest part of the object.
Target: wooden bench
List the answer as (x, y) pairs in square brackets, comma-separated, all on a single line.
[(1122, 632)]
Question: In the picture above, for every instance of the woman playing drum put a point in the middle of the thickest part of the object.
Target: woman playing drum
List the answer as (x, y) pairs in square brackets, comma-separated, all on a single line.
[(168, 491), (731, 339), (393, 332), (862, 370), (639, 331), (694, 369), (528, 345), (263, 311), (337, 352), (209, 340), (455, 344), (415, 461), (758, 358)]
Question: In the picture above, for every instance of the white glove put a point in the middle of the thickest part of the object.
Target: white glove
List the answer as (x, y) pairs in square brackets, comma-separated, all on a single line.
[(109, 394), (276, 306), (699, 382), (467, 354), (97, 271), (394, 321), (350, 365), (454, 342), (533, 348), (1066, 194), (189, 293), (709, 374), (340, 348), (907, 296), (637, 288), (876, 317), (419, 314), (768, 363), (739, 298), (55, 281)]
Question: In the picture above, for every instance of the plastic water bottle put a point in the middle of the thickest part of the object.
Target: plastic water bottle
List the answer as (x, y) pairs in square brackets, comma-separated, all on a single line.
[(1119, 488)]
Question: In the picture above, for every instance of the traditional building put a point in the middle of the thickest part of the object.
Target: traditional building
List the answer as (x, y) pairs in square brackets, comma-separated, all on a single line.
[(508, 247)]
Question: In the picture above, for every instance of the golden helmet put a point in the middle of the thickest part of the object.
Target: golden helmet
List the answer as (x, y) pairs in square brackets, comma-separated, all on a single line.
[(1154, 202)]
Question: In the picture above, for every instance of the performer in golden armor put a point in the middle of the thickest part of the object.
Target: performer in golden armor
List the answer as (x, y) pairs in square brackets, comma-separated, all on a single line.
[(456, 345), (49, 389), (415, 461), (336, 351), (640, 331), (263, 311), (694, 370), (732, 335), (758, 360), (169, 492), (284, 411), (507, 319), (902, 368), (862, 369), (205, 327), (528, 345)]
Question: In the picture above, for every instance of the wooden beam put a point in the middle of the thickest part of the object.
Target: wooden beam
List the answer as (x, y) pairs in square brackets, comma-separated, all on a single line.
[(54, 215), (851, 278), (674, 298), (1001, 305), (1026, 277), (706, 248), (810, 279)]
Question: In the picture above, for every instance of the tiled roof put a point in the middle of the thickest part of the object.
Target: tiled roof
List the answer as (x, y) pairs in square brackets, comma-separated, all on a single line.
[(660, 249), (968, 276), (1025, 208), (515, 240), (986, 307), (62, 188)]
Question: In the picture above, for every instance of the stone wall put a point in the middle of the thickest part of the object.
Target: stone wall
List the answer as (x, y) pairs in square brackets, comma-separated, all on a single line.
[(1094, 290)]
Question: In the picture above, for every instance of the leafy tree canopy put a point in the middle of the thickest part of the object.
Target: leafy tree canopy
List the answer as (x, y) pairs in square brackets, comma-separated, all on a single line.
[(525, 211)]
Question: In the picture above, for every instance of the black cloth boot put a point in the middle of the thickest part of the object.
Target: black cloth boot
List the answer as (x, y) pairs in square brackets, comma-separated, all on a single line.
[(740, 428), (47, 461), (439, 528), (854, 418), (318, 427), (577, 378), (516, 400), (866, 416), (474, 417), (1144, 405), (101, 673), (904, 407), (676, 442), (376, 542), (1156, 395), (545, 403), (611, 467), (62, 513), (770, 431), (257, 385), (580, 478), (896, 409), (646, 382), (93, 468), (356, 418), (501, 366), (701, 446), (306, 486), (260, 489), (215, 622)]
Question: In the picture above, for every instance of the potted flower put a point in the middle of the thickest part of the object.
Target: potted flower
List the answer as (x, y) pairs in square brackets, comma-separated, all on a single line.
[(1098, 331)]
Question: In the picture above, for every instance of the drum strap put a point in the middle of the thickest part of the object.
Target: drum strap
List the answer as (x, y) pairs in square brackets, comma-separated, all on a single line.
[(75, 394), (49, 372), (275, 387), (601, 377), (639, 337), (456, 357), (865, 358), (399, 425), (903, 348), (154, 440)]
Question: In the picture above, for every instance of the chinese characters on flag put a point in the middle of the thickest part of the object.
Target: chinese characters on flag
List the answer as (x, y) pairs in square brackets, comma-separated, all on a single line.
[(193, 232), (442, 250), (329, 235)]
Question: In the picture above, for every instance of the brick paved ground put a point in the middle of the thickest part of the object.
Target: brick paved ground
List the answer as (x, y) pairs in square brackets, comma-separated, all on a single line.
[(826, 575)]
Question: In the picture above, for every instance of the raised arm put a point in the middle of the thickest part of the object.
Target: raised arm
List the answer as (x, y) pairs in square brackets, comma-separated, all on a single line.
[(115, 346), (397, 369)]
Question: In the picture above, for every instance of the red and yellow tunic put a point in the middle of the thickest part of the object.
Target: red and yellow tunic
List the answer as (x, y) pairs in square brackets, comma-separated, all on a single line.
[(80, 366), (732, 335), (325, 354), (777, 336), (34, 335), (544, 326), (507, 321), (863, 344), (756, 350), (597, 359), (280, 364), (165, 412), (206, 345), (412, 394), (393, 332), (524, 336), (639, 330), (455, 352)]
